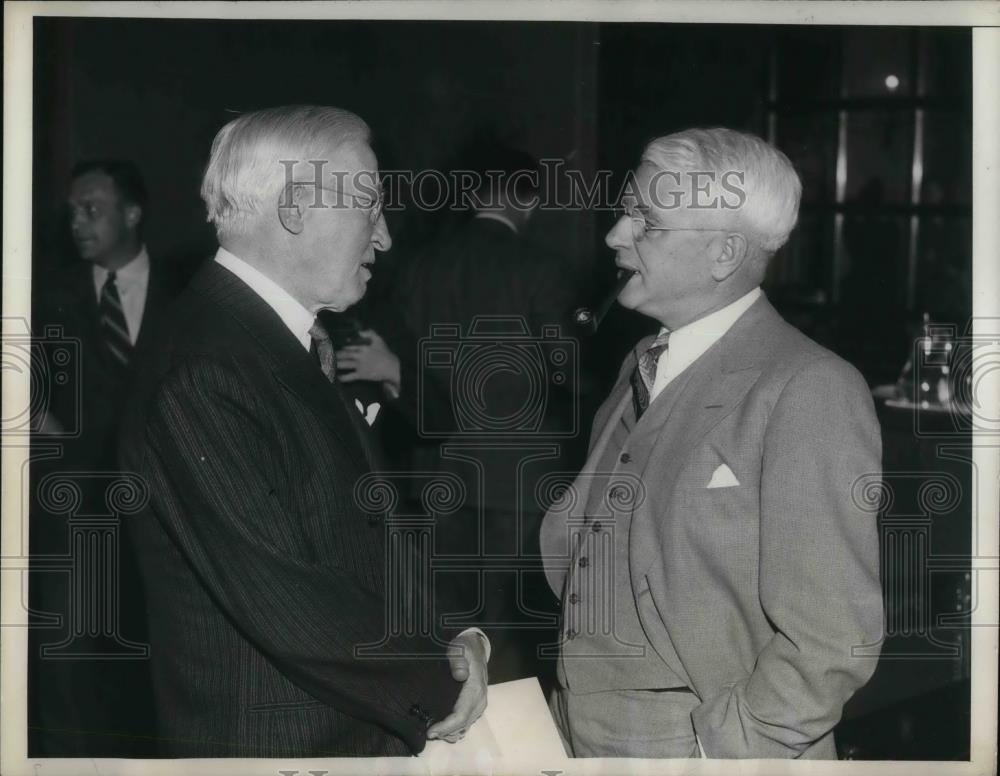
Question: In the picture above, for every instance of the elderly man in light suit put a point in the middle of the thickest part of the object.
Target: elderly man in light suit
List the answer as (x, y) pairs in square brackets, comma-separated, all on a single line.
[(717, 578)]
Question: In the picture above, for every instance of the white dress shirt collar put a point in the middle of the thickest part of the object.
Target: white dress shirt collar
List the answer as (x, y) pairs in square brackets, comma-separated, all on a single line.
[(485, 214), (292, 313), (688, 343), (135, 272)]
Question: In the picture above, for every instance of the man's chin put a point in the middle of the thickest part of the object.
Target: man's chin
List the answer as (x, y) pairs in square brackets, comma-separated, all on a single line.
[(629, 299), (359, 291)]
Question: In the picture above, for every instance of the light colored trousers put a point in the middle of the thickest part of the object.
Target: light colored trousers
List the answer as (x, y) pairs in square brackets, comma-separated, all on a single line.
[(626, 723)]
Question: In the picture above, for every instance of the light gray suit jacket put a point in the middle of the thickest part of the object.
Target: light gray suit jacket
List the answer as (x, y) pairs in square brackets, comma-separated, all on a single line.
[(765, 589)]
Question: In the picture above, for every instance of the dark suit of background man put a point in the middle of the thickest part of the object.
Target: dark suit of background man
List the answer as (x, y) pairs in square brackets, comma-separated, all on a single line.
[(264, 573), (111, 301), (713, 555), (488, 270)]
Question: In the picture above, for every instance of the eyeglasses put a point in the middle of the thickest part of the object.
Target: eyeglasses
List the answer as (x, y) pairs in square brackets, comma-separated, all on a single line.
[(372, 206), (641, 227)]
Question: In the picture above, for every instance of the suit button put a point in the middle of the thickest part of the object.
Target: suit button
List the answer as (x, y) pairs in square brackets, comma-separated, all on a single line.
[(584, 562), (596, 527), (625, 458), (574, 598)]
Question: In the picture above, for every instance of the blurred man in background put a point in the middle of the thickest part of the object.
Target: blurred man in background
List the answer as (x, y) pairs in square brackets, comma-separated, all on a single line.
[(111, 303), (496, 289)]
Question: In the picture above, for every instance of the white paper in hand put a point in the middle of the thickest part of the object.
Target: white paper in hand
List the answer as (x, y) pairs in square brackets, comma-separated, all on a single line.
[(516, 730)]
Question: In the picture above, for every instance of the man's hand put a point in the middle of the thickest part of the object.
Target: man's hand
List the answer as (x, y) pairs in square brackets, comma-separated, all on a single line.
[(467, 655), (369, 361)]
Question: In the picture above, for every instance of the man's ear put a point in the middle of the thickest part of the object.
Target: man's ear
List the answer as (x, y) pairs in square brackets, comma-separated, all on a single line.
[(133, 215), (291, 208), (731, 257)]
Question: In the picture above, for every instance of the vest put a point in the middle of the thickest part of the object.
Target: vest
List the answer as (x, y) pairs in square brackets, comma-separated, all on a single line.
[(603, 643)]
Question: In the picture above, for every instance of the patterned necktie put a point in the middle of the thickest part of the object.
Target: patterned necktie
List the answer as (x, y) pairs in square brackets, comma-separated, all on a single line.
[(644, 373), (322, 350), (114, 329)]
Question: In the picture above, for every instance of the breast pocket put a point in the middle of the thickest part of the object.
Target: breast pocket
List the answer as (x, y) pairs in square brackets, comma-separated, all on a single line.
[(719, 502), (715, 477), (724, 522)]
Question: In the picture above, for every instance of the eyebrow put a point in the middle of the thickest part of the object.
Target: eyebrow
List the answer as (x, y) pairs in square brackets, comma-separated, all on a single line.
[(636, 204)]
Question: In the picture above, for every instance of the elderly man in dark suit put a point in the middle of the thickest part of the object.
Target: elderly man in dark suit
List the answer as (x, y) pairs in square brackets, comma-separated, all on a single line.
[(711, 553), (267, 581)]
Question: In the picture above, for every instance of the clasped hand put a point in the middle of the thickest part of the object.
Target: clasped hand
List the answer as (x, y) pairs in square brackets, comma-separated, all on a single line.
[(467, 657)]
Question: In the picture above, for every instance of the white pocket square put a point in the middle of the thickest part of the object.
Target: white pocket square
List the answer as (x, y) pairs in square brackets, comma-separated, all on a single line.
[(723, 477), (371, 413)]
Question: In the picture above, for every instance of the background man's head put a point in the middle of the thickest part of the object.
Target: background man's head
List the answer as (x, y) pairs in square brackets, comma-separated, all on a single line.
[(107, 200), (509, 183), (294, 191), (716, 204)]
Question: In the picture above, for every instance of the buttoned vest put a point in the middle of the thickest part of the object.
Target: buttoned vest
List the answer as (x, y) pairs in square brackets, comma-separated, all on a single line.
[(604, 645)]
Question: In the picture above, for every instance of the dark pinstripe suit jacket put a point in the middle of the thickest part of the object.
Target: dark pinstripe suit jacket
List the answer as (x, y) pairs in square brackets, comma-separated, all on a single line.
[(262, 573)]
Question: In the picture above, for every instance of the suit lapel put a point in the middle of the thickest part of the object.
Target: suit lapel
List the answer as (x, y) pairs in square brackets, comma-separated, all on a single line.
[(607, 417), (292, 364), (617, 404), (710, 394), (720, 380), (304, 378)]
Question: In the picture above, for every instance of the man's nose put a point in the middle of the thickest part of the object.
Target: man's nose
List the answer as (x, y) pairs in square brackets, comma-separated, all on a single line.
[(381, 238), (76, 219), (619, 236)]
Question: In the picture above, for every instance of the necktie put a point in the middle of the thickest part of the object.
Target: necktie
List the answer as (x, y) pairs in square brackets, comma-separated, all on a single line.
[(644, 373), (114, 329), (322, 350)]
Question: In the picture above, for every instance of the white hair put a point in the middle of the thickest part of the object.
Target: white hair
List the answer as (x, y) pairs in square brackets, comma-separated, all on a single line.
[(251, 157), (771, 186)]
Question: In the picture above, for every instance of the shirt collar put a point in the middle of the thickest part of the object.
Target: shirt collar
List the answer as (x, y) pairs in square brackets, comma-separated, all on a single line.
[(497, 217), (701, 334), (292, 313), (136, 271)]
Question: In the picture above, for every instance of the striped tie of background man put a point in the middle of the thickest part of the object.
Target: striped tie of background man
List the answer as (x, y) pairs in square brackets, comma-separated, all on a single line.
[(114, 329)]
